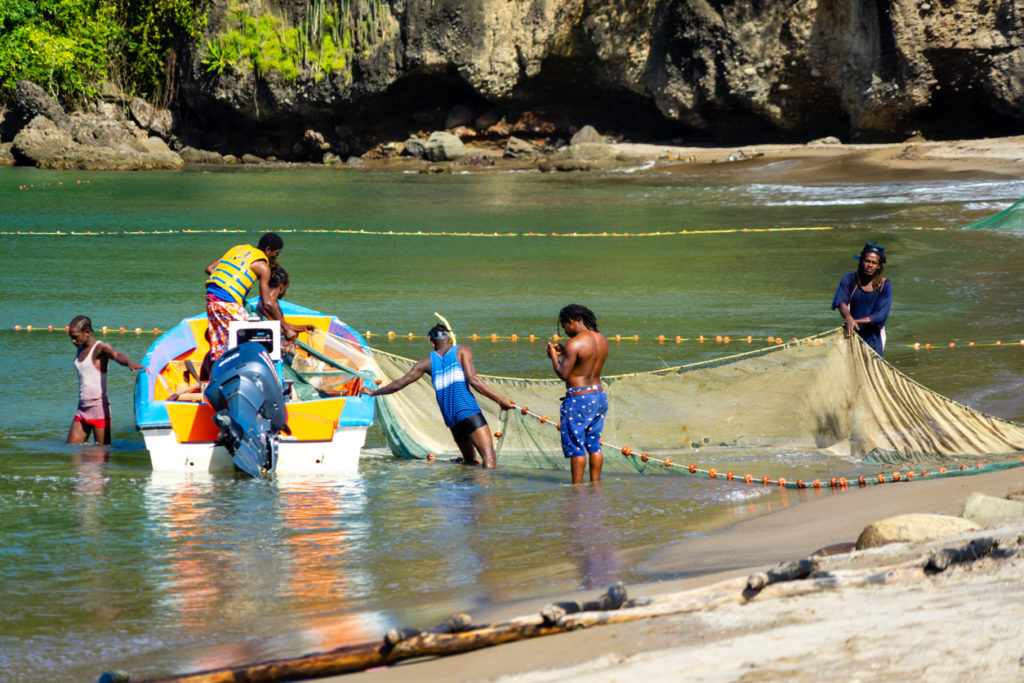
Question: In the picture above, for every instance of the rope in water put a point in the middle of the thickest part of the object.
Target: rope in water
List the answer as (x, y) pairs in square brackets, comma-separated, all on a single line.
[(835, 482), (661, 338)]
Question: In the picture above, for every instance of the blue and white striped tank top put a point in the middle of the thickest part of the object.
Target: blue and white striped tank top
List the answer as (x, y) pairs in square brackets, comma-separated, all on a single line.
[(453, 395)]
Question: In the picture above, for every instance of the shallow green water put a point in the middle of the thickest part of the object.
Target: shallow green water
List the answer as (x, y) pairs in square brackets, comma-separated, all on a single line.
[(104, 565)]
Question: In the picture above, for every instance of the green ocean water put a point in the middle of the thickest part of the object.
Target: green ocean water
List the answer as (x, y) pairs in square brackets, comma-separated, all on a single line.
[(104, 565)]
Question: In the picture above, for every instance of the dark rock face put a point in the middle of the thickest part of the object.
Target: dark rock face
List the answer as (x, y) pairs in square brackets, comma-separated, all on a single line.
[(744, 70), (93, 144), (30, 101), (44, 135)]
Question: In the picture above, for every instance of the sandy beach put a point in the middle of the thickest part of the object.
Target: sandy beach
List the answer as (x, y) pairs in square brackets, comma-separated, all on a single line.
[(960, 624)]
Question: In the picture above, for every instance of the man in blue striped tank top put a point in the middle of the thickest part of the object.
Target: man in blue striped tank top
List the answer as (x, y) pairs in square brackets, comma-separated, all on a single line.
[(451, 370)]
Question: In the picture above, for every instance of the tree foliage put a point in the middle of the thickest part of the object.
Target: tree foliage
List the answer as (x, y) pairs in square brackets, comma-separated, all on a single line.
[(71, 47), (325, 40)]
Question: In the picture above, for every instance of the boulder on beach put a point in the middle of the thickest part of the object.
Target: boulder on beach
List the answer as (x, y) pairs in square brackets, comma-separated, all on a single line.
[(415, 147), (442, 146), (586, 134), (978, 506), (586, 156), (191, 155), (517, 148), (912, 528)]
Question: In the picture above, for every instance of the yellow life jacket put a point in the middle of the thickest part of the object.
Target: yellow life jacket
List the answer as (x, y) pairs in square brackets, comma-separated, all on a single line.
[(234, 273)]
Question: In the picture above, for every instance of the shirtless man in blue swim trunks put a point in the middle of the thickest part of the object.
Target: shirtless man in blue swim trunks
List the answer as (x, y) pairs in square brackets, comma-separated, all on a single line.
[(585, 404), (451, 370)]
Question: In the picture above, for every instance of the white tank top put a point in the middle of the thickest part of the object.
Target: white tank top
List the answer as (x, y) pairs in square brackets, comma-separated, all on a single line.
[(92, 383)]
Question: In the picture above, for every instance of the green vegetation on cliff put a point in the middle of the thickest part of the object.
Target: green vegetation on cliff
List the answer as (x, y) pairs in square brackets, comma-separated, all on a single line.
[(71, 47), (322, 41)]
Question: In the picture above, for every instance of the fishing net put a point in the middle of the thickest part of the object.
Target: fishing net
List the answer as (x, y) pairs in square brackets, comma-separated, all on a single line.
[(825, 394), (1011, 218)]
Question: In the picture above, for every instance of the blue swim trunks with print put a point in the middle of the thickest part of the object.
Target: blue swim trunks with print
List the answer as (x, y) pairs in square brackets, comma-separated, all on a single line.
[(582, 420)]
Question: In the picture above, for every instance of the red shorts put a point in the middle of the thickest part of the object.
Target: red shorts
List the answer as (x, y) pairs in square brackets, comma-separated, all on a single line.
[(96, 416)]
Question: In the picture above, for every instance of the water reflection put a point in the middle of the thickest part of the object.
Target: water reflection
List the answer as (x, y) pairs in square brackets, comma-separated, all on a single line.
[(262, 564), (593, 547)]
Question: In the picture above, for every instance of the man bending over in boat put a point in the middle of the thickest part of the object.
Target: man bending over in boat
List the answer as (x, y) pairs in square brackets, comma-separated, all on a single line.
[(231, 276), (451, 370), (585, 404), (93, 414), (278, 288)]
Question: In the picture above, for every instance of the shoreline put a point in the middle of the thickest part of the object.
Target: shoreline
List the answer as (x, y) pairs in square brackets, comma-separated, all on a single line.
[(645, 648), (818, 162)]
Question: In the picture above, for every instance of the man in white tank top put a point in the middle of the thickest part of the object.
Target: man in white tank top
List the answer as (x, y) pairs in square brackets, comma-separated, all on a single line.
[(93, 414)]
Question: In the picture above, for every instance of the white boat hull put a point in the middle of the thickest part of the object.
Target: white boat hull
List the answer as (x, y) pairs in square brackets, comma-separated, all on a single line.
[(338, 456)]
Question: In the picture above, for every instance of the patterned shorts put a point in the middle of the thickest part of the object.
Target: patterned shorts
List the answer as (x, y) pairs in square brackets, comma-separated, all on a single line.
[(582, 417), (218, 315)]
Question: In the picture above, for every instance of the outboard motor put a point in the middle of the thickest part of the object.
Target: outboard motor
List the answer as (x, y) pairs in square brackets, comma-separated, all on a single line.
[(245, 391)]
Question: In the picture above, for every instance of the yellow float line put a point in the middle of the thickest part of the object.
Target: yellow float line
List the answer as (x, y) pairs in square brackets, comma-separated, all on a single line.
[(443, 233), (661, 338)]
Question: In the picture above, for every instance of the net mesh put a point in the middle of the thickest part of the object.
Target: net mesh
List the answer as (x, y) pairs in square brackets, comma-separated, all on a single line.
[(825, 394), (1011, 218)]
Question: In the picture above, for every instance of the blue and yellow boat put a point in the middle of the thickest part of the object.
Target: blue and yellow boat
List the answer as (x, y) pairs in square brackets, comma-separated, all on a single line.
[(319, 384)]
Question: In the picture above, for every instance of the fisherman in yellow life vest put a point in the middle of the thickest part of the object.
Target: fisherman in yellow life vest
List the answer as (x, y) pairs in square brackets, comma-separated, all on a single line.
[(231, 276)]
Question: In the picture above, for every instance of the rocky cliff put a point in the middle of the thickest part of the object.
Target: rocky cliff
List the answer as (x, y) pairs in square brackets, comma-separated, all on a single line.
[(728, 71)]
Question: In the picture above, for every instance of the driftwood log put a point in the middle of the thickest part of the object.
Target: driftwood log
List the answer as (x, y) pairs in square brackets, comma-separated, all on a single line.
[(456, 634)]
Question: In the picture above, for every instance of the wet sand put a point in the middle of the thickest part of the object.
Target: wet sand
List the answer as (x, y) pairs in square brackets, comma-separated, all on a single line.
[(958, 625)]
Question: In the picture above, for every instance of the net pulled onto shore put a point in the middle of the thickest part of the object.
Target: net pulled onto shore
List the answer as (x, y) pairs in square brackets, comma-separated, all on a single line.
[(825, 394)]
